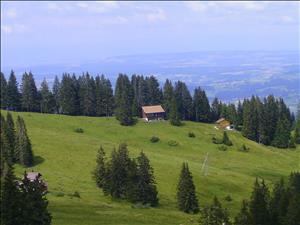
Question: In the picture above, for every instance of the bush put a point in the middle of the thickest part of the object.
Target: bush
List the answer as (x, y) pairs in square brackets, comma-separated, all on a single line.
[(244, 148), (226, 140), (216, 140), (79, 130), (172, 143), (154, 139), (228, 198), (76, 194), (222, 148), (191, 135)]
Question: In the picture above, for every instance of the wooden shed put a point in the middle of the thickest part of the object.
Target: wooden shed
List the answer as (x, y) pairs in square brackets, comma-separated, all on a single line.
[(153, 112), (222, 123)]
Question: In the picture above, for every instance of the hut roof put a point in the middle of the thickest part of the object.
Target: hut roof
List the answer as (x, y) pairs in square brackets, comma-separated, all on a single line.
[(153, 109)]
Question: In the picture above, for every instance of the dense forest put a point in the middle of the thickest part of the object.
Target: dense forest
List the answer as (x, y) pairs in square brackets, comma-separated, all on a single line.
[(267, 121)]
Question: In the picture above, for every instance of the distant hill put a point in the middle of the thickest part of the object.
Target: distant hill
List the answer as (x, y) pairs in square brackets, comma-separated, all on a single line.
[(229, 75), (66, 158)]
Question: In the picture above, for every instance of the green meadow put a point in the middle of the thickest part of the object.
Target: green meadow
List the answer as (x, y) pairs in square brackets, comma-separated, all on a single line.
[(66, 159)]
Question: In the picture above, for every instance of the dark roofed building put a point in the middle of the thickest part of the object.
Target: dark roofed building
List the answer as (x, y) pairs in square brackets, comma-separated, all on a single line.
[(153, 112)]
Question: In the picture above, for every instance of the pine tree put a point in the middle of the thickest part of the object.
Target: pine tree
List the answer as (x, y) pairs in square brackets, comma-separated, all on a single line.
[(154, 92), (174, 116), (293, 211), (184, 101), (3, 91), (146, 188), (297, 133), (239, 119), (259, 204), (13, 95), (10, 200), (124, 100), (243, 217), (23, 150), (186, 195), (100, 170), (47, 103), (214, 214), (5, 148), (87, 97), (55, 91), (250, 119), (282, 134), (29, 93), (216, 108), (35, 210), (11, 133), (201, 106)]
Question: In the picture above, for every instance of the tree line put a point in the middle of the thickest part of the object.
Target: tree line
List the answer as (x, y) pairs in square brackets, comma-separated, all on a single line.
[(267, 121)]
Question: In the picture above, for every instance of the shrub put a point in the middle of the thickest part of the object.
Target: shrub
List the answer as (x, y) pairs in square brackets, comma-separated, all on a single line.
[(226, 140), (191, 135), (76, 194), (79, 130), (216, 140), (222, 148), (228, 198), (154, 139), (172, 143), (244, 148)]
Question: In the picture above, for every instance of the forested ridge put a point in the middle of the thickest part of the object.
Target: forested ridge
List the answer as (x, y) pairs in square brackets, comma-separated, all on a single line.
[(267, 121)]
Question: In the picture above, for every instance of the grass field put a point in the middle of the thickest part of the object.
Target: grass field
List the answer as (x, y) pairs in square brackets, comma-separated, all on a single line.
[(66, 159)]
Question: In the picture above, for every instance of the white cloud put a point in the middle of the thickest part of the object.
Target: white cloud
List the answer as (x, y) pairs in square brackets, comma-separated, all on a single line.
[(6, 29), (98, 6), (158, 15), (196, 6), (114, 20), (11, 13), (14, 28)]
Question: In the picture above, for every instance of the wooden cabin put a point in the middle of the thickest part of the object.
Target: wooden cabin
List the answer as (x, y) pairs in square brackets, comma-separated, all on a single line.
[(153, 112), (32, 176), (222, 123)]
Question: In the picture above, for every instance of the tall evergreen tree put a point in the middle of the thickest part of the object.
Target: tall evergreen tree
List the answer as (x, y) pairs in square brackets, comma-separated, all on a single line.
[(47, 102), (244, 216), (13, 94), (184, 101), (87, 95), (155, 96), (103, 96), (3, 91), (214, 214), (168, 93), (29, 93), (174, 116), (186, 194), (10, 200), (55, 91), (216, 108), (100, 170), (124, 100), (23, 150), (35, 211), (10, 133), (201, 106), (146, 188), (250, 119), (239, 114), (282, 134), (259, 204)]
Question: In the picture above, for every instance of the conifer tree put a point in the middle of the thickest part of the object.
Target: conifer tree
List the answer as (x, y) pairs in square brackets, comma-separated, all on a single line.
[(47, 103), (259, 204), (216, 108), (146, 188), (10, 200), (124, 100), (186, 194), (293, 211), (35, 211), (243, 217), (282, 134), (87, 95), (297, 133), (239, 114), (226, 140), (10, 133), (174, 116), (168, 93), (201, 106), (214, 214), (23, 150), (29, 93), (184, 101), (13, 94), (55, 91), (3, 91), (100, 170)]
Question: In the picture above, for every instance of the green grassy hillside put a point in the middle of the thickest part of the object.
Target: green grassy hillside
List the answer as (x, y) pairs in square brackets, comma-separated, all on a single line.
[(66, 159)]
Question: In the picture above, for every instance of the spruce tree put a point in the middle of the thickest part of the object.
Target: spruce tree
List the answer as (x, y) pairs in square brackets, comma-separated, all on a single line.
[(214, 214), (124, 100), (47, 102), (243, 217), (216, 108), (55, 91), (251, 119), (100, 170), (13, 94), (11, 133), (226, 140), (3, 91), (167, 97), (184, 101), (11, 202), (35, 211), (201, 106), (186, 194), (23, 150), (259, 204), (29, 93), (87, 97), (174, 116), (282, 134), (146, 189), (293, 211), (297, 133)]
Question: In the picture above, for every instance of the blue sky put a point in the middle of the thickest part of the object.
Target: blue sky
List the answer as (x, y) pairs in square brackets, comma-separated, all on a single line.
[(34, 33)]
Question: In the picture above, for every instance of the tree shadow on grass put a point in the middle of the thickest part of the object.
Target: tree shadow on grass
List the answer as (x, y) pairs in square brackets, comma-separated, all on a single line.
[(38, 160)]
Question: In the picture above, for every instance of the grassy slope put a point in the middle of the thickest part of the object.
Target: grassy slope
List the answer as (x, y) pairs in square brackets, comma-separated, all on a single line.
[(67, 159)]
